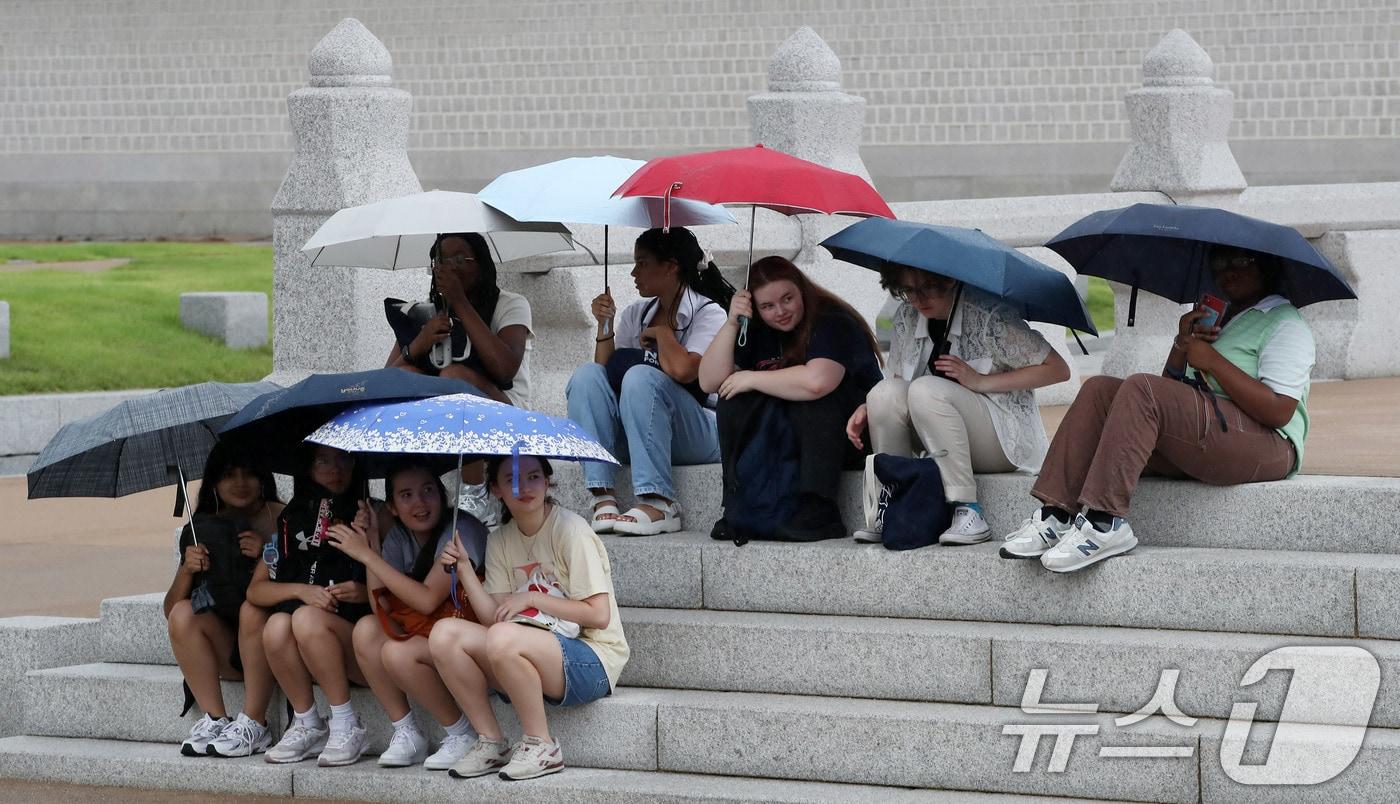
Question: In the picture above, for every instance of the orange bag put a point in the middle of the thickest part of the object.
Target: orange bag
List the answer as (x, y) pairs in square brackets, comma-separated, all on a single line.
[(402, 622)]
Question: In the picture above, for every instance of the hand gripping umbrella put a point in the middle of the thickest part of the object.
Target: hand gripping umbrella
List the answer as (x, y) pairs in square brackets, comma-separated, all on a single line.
[(579, 190), (757, 177)]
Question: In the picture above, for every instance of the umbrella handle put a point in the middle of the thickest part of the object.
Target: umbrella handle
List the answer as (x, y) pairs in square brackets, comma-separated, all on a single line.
[(743, 339), (607, 323)]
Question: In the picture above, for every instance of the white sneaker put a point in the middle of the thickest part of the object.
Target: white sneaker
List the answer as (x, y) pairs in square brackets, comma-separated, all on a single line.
[(201, 735), (533, 757), (485, 756), (451, 751), (407, 747), (869, 535), (968, 527), (241, 738), (1034, 537), (298, 743), (1085, 544), (344, 747)]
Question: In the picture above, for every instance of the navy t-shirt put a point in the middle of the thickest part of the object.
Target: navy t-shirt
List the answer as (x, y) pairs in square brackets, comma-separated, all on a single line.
[(835, 336)]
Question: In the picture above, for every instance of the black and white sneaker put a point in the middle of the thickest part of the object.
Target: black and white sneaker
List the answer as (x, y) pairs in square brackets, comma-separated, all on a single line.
[(241, 738), (205, 730)]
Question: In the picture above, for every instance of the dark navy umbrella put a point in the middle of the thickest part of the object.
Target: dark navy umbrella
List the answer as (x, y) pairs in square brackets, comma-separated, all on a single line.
[(1034, 290), (1164, 250), (277, 422)]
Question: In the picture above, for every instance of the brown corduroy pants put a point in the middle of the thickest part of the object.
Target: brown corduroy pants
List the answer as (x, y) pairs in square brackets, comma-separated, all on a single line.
[(1116, 429)]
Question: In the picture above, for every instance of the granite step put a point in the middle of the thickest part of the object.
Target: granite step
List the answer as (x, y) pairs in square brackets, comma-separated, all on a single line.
[(155, 766), (1309, 512)]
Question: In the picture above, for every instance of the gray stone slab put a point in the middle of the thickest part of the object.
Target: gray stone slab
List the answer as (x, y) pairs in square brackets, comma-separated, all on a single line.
[(910, 745), (657, 571), (32, 643), (144, 765), (1370, 777), (134, 630), (1378, 601), (238, 319), (1269, 592), (27, 422), (909, 660)]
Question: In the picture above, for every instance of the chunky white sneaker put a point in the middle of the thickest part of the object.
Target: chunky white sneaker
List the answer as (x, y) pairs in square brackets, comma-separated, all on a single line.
[(407, 747), (344, 747), (533, 757), (241, 738), (870, 535), (298, 743), (485, 756), (201, 735), (1086, 544), (1036, 535), (968, 527), (451, 751)]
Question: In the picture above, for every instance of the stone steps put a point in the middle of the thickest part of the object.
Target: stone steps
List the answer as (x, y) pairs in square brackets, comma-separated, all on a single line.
[(157, 766), (1321, 513)]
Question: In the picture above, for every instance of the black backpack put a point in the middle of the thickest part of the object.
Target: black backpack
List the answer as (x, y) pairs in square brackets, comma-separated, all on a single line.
[(225, 583), (761, 474), (916, 512)]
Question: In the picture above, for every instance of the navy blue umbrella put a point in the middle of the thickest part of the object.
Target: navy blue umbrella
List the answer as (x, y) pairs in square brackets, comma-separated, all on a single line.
[(1164, 250), (277, 422), (1034, 290)]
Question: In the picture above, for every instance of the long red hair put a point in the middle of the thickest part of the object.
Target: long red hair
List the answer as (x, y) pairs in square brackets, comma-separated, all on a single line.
[(816, 301)]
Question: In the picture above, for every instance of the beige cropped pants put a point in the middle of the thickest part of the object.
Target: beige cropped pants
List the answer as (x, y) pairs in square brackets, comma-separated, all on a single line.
[(942, 417)]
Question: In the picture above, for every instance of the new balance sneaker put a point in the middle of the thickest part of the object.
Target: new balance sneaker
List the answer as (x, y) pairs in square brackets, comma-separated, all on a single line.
[(241, 738), (298, 743), (1036, 535), (407, 747), (485, 756), (1085, 544), (343, 747), (968, 527), (201, 735), (452, 750), (533, 757)]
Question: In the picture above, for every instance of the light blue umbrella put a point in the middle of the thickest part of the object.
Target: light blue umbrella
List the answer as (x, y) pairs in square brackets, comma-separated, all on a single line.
[(579, 190)]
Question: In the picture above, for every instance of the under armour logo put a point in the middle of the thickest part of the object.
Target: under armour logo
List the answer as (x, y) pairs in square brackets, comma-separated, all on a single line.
[(304, 542)]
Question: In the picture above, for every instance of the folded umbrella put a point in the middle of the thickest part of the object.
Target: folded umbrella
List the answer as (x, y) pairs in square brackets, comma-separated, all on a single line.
[(1034, 290), (1164, 250)]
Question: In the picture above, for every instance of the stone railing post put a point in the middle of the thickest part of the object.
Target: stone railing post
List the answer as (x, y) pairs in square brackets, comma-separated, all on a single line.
[(351, 129), (1180, 121)]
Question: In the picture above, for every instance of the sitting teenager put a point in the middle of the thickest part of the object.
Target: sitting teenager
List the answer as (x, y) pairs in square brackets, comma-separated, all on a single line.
[(1229, 407), (640, 397), (571, 652), (408, 599), (961, 389), (235, 512), (817, 356), (316, 594), (488, 334)]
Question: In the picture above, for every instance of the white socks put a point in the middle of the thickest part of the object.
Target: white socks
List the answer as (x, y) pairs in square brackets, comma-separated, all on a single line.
[(406, 723), (461, 728), (343, 717), (311, 719)]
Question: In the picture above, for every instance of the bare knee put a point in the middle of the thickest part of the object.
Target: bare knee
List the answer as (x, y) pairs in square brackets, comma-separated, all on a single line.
[(180, 622), (277, 634), (398, 656), (251, 619), (444, 641), (504, 640), (368, 639), (309, 622)]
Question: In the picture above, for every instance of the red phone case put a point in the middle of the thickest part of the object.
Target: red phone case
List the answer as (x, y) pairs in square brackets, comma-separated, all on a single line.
[(1216, 306)]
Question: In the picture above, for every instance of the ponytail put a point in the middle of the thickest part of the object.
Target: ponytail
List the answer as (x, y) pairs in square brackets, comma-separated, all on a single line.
[(697, 271)]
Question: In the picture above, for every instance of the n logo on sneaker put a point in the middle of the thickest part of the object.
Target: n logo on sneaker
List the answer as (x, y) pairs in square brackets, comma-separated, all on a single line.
[(1087, 548)]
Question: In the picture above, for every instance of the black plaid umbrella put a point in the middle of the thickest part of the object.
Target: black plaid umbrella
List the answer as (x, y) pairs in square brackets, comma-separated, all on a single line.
[(143, 443)]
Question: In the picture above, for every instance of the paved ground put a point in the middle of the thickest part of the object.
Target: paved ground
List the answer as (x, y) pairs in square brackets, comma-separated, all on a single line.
[(46, 793)]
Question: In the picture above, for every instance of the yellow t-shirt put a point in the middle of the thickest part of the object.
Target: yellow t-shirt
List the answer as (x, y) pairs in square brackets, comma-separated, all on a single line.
[(569, 552)]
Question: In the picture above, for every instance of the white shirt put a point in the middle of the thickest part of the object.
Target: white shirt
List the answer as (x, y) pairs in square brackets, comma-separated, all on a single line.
[(698, 319), (512, 309), (1286, 361)]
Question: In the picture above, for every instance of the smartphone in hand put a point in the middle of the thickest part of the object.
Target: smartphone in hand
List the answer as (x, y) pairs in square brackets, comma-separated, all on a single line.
[(1215, 310)]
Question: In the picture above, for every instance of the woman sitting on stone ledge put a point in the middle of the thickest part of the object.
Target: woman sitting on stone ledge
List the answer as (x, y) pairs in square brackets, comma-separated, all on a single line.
[(1229, 407), (813, 356), (640, 397), (209, 619), (962, 388)]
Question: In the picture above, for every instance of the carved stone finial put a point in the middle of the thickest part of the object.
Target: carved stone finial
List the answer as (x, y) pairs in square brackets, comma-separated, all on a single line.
[(804, 63), (351, 56), (1177, 61)]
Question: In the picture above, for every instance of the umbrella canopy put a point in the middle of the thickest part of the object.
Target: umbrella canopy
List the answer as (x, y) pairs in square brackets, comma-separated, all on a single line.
[(398, 232), (458, 424), (1164, 250), (1033, 289), (757, 176), (579, 190), (135, 445), (278, 421)]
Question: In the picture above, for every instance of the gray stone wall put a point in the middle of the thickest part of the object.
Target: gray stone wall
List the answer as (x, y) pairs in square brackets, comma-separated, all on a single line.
[(127, 118)]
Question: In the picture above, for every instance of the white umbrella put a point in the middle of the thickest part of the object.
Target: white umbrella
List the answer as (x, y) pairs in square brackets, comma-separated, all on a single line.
[(398, 232)]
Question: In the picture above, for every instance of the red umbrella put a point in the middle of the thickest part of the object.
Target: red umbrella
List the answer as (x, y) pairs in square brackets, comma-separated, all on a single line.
[(758, 177)]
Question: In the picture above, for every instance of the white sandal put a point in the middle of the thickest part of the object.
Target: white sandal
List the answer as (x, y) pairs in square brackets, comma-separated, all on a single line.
[(643, 525), (608, 507)]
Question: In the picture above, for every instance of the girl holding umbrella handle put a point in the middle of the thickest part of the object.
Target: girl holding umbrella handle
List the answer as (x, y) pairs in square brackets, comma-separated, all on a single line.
[(971, 405)]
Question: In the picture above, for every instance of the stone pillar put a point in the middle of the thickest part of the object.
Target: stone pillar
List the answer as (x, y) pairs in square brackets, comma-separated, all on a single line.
[(1179, 120), (351, 129), (804, 112)]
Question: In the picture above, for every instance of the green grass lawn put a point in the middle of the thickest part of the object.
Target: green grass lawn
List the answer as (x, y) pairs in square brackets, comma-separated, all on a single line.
[(1100, 303), (121, 328)]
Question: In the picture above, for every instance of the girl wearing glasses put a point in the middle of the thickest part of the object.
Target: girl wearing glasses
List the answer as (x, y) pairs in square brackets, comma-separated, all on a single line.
[(959, 387)]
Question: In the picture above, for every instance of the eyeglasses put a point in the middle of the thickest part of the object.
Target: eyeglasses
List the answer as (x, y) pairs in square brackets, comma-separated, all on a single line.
[(459, 261), (1235, 263), (937, 287)]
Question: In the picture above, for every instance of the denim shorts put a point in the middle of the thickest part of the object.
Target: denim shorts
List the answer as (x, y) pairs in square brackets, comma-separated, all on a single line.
[(584, 677)]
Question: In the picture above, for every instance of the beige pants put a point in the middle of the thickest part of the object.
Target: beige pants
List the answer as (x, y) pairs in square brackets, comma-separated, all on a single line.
[(947, 420)]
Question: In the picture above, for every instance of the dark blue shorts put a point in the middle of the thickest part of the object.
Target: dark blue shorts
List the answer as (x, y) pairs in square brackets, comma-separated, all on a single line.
[(584, 677)]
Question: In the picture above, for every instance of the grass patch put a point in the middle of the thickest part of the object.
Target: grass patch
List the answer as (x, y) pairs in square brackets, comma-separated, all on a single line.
[(1100, 303), (120, 329)]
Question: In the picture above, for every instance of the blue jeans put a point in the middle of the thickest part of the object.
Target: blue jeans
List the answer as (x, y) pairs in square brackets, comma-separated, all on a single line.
[(584, 677), (655, 424)]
